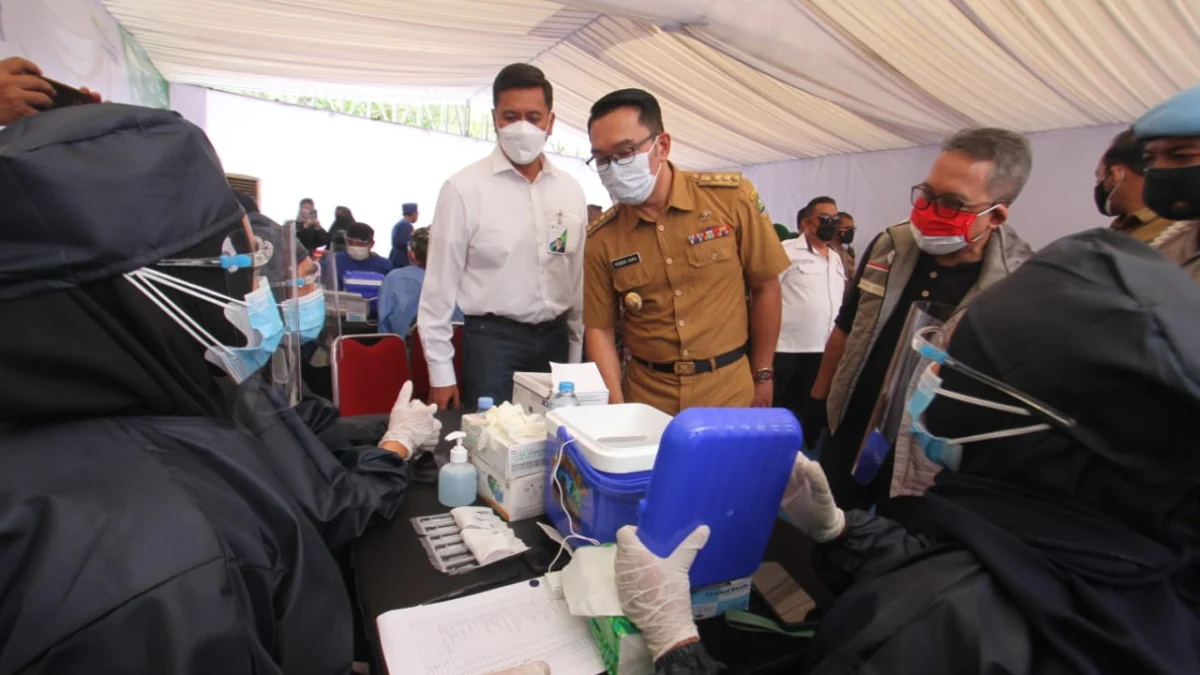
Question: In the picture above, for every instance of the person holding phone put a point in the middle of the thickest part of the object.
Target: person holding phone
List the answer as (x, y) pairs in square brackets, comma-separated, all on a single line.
[(24, 91), (1060, 540)]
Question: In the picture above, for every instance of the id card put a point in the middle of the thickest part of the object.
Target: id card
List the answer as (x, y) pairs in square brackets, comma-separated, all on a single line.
[(558, 236)]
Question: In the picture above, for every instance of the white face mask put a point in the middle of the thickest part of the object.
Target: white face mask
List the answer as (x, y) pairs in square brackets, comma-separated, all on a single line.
[(522, 142), (631, 183), (359, 252)]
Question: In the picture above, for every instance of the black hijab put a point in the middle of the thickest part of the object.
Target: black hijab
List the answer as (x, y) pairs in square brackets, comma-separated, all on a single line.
[(1087, 542), (91, 193)]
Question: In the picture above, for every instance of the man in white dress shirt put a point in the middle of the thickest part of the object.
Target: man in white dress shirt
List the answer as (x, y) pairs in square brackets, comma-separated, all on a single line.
[(507, 247), (813, 286)]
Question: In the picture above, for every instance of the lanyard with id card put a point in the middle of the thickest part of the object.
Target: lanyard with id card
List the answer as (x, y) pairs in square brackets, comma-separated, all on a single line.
[(558, 236)]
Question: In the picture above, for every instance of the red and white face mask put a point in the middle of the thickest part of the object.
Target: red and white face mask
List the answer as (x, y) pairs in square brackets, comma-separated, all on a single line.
[(937, 235)]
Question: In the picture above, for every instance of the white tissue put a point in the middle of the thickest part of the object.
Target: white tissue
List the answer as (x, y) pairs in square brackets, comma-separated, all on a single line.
[(590, 582), (488, 545), (509, 424), (477, 517)]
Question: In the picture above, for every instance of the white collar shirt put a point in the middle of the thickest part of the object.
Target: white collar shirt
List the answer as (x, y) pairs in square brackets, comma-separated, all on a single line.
[(497, 247), (813, 287)]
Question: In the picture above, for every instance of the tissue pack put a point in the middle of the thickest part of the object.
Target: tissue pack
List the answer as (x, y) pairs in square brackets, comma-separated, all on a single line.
[(513, 498), (622, 647)]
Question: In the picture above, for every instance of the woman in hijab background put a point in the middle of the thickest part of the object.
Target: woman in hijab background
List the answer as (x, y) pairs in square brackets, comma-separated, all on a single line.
[(342, 219), (1062, 550), (153, 521)]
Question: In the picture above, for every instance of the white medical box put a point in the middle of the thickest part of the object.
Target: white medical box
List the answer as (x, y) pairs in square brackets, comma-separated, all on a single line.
[(533, 391), (513, 498)]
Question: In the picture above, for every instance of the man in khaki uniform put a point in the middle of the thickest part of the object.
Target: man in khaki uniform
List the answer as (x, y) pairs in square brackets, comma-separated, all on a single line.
[(1170, 132), (1118, 191), (679, 252)]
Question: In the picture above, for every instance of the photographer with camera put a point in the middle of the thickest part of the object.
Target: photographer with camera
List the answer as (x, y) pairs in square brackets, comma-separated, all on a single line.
[(24, 91)]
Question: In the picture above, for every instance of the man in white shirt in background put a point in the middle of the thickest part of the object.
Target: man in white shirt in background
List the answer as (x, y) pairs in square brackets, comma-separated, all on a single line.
[(813, 286), (506, 247)]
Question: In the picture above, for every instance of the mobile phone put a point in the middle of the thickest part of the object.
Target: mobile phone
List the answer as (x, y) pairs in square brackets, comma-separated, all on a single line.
[(66, 96), (790, 603)]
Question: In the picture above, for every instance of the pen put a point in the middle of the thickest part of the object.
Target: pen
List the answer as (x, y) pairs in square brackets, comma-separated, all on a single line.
[(474, 588)]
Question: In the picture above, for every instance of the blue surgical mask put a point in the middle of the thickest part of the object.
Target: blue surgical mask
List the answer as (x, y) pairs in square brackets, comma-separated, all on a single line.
[(307, 313), (256, 316), (948, 451)]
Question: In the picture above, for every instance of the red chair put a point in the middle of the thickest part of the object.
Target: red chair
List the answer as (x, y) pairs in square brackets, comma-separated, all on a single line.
[(368, 372), (419, 367)]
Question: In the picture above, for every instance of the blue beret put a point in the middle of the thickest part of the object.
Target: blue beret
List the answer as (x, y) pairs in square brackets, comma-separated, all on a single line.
[(1174, 117), (410, 207)]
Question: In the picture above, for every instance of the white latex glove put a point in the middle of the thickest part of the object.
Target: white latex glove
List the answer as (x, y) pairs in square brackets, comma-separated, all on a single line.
[(531, 668), (412, 423), (809, 504), (655, 593)]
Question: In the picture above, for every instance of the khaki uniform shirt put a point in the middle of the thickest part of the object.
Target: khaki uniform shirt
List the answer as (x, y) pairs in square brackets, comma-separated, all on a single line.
[(1144, 225), (683, 278)]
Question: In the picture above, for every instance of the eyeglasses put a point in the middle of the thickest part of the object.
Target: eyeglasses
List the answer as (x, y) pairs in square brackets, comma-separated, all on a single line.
[(943, 206), (624, 156)]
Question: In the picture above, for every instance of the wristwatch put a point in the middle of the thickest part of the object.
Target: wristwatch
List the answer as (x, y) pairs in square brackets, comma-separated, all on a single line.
[(764, 374)]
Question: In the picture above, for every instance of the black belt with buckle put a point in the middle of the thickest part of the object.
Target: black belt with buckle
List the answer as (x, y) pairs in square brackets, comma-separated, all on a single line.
[(560, 320), (695, 367)]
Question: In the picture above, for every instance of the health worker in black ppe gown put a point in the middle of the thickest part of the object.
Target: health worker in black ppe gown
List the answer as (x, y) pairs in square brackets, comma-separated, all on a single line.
[(164, 508), (1060, 550)]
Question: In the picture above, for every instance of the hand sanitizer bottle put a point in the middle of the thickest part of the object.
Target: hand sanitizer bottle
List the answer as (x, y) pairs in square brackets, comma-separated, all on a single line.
[(457, 480)]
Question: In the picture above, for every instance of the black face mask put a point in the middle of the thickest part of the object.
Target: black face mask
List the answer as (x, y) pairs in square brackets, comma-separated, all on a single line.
[(1173, 193), (847, 237), (827, 228)]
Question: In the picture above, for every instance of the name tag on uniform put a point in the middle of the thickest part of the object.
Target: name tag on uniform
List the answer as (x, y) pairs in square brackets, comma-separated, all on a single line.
[(625, 261), (710, 233)]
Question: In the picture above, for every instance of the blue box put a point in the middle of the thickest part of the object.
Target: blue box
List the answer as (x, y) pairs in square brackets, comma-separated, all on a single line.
[(599, 503)]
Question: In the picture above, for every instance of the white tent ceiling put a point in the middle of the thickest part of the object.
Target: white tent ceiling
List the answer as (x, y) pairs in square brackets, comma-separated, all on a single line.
[(741, 81)]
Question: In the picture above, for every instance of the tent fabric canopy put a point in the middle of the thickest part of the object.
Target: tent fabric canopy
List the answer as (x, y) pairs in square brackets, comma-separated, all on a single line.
[(741, 82)]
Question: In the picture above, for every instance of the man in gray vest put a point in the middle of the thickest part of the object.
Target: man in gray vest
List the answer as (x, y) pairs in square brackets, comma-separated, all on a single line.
[(955, 244)]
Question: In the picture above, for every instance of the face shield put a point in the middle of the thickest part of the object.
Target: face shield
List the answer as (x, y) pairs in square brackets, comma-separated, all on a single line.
[(247, 281), (888, 417)]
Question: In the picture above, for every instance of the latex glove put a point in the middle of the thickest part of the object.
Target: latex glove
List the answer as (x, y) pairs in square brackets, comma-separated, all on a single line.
[(531, 668), (809, 504), (655, 592), (412, 423)]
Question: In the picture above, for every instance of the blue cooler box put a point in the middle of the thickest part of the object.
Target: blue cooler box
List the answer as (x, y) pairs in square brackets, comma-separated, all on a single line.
[(722, 467), (602, 493)]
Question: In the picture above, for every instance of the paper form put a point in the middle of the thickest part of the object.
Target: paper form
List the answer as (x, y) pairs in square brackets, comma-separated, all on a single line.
[(487, 632)]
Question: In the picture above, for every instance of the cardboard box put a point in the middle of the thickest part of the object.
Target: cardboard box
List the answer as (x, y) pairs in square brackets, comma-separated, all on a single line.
[(511, 460), (516, 460), (717, 599), (533, 391), (513, 498)]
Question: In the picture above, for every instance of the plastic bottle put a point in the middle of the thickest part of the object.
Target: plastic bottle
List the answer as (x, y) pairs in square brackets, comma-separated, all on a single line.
[(485, 404), (457, 480), (565, 398)]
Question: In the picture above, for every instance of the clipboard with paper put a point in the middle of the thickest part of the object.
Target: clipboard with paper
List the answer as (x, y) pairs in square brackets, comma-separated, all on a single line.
[(905, 367)]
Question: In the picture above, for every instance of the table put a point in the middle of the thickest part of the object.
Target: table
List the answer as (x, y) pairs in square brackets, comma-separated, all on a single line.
[(393, 572)]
